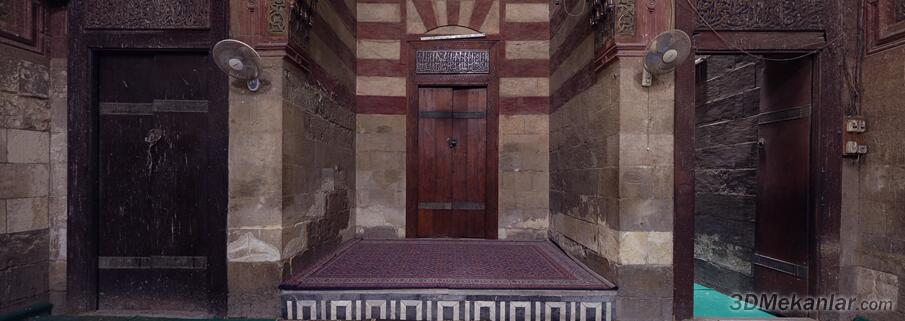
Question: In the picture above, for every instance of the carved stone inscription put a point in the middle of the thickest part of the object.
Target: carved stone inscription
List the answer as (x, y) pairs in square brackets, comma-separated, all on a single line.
[(147, 14), (452, 62), (761, 14)]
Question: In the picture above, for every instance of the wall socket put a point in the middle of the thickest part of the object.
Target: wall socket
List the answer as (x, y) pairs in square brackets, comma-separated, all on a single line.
[(852, 136)]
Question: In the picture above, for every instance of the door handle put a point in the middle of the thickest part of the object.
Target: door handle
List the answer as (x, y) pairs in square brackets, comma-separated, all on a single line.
[(452, 142)]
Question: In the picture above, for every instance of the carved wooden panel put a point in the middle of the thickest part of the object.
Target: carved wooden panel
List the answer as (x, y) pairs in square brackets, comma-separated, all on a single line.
[(147, 14), (740, 15), (885, 24), (277, 16), (452, 62), (22, 24), (625, 17)]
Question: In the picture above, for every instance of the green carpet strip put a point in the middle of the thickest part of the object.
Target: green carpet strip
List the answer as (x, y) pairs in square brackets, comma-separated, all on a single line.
[(712, 304)]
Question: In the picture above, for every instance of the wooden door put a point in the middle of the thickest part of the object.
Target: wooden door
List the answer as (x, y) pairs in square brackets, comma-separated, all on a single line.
[(783, 237), (155, 182), (452, 164)]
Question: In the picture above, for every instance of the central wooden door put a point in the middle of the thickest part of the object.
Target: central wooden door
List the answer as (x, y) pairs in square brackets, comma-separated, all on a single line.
[(158, 177), (452, 162)]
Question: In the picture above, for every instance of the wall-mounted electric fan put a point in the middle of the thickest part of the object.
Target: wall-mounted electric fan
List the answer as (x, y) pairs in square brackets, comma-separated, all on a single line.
[(239, 60), (665, 52)]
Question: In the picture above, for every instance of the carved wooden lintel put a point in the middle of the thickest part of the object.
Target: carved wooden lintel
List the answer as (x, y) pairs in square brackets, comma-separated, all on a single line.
[(452, 62), (761, 15), (147, 14)]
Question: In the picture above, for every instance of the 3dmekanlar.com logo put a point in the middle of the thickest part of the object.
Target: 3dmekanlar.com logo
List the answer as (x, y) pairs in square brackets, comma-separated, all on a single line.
[(793, 302)]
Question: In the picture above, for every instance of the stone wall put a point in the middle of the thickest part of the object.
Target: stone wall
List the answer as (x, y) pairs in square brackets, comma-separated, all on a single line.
[(873, 214), (726, 172), (33, 169), (523, 30), (291, 161), (611, 167), (380, 176)]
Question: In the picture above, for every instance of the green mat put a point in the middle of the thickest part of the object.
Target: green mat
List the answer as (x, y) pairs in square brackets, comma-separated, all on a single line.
[(713, 304)]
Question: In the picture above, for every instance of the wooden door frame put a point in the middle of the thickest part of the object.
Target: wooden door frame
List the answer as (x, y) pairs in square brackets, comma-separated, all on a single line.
[(85, 46), (825, 154), (488, 80)]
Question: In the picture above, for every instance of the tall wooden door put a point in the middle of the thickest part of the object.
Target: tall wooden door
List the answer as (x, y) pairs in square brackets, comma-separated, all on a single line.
[(782, 240), (155, 181), (452, 151)]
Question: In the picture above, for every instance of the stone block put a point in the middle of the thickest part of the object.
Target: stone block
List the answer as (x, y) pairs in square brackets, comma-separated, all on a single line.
[(876, 285), (645, 281), (651, 150), (254, 211), (524, 87), (527, 49), (647, 215), (9, 74), (23, 248), (650, 248), (512, 124), (21, 112), (295, 238), (580, 231), (730, 232), (23, 180), (26, 146), (57, 275), (26, 214), (728, 132), (739, 208), (379, 49), (3, 144), (727, 256), (34, 79), (381, 232), (380, 86), (58, 164), (537, 124), (3, 229), (253, 290), (254, 245), (738, 156), (379, 143), (381, 124), (728, 181), (640, 309), (379, 12), (527, 12)]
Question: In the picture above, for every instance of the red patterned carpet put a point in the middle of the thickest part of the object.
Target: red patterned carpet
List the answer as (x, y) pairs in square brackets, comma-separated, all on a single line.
[(454, 264)]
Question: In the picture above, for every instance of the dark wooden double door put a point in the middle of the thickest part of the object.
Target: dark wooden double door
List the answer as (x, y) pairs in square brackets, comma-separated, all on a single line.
[(452, 162), (161, 180)]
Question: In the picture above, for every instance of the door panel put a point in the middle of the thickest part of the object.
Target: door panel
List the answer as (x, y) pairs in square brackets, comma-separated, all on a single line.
[(154, 174), (452, 133), (782, 233)]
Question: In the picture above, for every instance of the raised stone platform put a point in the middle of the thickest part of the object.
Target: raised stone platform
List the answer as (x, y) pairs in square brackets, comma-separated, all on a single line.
[(448, 280), (455, 305)]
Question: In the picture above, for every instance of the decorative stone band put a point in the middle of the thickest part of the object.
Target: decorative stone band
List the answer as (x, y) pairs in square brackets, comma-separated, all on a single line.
[(454, 305)]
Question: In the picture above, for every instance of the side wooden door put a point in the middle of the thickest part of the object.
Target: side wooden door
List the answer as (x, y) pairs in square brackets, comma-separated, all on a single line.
[(783, 237), (452, 162), (156, 179)]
